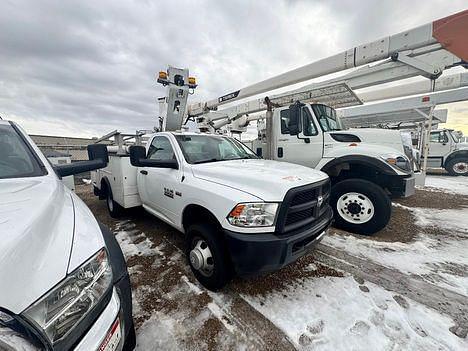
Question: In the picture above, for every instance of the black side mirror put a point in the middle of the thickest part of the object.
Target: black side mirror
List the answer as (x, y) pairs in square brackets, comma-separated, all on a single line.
[(295, 118), (138, 159), (98, 158)]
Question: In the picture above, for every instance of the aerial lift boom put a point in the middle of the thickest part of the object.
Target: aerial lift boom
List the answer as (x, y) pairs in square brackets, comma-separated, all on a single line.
[(426, 50)]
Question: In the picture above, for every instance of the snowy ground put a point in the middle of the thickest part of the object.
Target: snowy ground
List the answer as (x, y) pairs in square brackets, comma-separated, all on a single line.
[(403, 289)]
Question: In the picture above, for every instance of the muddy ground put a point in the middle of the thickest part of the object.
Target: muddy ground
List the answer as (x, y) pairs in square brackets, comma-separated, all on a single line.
[(164, 286)]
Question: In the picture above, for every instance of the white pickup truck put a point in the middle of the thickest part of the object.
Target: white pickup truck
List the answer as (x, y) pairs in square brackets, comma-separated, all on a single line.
[(240, 214), (64, 283)]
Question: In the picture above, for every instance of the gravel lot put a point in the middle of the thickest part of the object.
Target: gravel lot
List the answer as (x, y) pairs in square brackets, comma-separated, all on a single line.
[(404, 288)]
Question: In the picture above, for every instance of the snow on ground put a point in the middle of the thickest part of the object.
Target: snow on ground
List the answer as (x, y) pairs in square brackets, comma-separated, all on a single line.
[(335, 314), (86, 181), (453, 185), (440, 260)]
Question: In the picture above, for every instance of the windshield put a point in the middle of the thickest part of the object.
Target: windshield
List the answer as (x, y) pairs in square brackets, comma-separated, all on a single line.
[(211, 148), (16, 160), (327, 118)]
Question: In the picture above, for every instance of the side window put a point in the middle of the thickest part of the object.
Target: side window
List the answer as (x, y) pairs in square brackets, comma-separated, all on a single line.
[(308, 123), (160, 149), (438, 137), (284, 121)]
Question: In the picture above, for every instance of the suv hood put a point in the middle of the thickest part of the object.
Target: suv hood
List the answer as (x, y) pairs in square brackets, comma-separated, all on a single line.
[(36, 235), (265, 179)]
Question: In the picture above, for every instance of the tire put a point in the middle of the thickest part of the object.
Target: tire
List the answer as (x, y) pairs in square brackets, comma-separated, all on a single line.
[(457, 166), (360, 206), (207, 256), (115, 210), (130, 341)]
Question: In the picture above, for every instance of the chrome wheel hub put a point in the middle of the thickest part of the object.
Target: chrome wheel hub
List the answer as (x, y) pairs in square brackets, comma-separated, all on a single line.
[(460, 167), (110, 203), (201, 258), (355, 208)]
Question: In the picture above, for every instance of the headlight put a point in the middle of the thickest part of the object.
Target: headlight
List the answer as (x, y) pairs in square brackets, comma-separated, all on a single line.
[(253, 214), (398, 161), (62, 308)]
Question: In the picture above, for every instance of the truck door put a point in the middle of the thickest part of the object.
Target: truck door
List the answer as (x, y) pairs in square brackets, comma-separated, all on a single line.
[(439, 147), (305, 149), (158, 187)]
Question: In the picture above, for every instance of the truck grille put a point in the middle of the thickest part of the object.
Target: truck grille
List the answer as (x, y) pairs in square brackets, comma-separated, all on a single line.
[(303, 206)]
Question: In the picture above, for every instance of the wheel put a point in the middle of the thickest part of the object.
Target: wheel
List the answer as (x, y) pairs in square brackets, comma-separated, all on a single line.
[(360, 206), (115, 210), (457, 166), (207, 256)]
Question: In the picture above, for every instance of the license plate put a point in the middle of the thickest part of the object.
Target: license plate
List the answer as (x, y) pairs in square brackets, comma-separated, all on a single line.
[(410, 186), (112, 340)]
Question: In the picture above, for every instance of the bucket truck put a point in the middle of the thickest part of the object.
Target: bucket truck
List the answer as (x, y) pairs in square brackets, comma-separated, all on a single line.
[(301, 126), (239, 213)]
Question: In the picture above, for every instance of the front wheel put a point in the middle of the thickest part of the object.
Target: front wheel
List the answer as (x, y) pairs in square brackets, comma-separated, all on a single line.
[(115, 210), (457, 167), (360, 206), (207, 256)]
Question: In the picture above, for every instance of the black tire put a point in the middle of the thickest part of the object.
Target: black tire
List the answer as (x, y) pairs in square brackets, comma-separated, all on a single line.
[(221, 272), (115, 210), (457, 166), (130, 341), (350, 221)]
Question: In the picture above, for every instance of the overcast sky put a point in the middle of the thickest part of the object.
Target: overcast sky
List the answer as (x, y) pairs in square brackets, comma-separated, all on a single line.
[(83, 68)]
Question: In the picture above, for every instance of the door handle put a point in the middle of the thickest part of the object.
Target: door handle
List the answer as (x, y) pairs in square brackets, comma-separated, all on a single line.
[(144, 172)]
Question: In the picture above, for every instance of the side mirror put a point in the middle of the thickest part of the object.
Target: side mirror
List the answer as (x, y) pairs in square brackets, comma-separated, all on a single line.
[(98, 158), (138, 159), (295, 118)]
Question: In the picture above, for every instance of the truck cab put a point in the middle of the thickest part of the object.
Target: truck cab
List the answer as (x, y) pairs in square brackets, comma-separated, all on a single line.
[(366, 166), (446, 151), (240, 214)]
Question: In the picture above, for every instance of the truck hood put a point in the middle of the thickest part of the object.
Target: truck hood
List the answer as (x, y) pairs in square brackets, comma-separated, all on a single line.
[(36, 235), (265, 179), (376, 136)]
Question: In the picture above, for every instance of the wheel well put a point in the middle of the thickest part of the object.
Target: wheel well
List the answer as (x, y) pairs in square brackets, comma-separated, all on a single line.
[(196, 213), (347, 170), (456, 154), (104, 188)]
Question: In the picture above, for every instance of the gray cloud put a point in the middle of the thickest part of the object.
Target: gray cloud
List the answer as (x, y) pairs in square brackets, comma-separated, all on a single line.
[(87, 67)]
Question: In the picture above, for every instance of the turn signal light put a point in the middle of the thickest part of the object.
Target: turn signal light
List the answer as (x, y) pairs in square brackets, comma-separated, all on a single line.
[(192, 80), (162, 75), (236, 212), (353, 144)]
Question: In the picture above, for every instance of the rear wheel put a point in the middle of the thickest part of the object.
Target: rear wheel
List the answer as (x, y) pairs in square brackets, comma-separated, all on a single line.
[(457, 167), (115, 210), (360, 206), (207, 256)]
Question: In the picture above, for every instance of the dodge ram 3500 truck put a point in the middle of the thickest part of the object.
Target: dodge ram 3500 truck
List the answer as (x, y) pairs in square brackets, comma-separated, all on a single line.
[(63, 279), (240, 214)]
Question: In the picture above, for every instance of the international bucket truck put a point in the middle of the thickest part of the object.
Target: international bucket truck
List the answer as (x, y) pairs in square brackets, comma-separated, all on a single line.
[(240, 214), (366, 166)]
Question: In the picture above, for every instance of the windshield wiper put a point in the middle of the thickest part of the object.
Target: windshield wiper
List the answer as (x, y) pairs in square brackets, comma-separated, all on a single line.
[(208, 160)]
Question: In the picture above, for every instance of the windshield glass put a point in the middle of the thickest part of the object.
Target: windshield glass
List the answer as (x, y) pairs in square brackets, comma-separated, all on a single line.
[(211, 148), (16, 159), (327, 118)]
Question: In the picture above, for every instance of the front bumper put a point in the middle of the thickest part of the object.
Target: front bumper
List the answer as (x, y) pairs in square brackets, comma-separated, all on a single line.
[(253, 254), (400, 186)]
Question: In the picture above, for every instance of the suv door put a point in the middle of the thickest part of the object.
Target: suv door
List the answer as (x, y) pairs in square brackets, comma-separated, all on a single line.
[(158, 186), (438, 148), (295, 148)]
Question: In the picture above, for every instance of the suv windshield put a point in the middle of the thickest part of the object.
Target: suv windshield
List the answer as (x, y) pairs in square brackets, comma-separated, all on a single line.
[(212, 148), (327, 118), (16, 160)]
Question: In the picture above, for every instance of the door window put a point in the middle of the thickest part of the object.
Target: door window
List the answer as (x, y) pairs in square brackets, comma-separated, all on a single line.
[(308, 125), (439, 137), (160, 149)]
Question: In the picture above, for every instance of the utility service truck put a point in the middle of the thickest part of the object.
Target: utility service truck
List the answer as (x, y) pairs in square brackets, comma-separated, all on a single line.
[(301, 126), (239, 213), (446, 151)]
